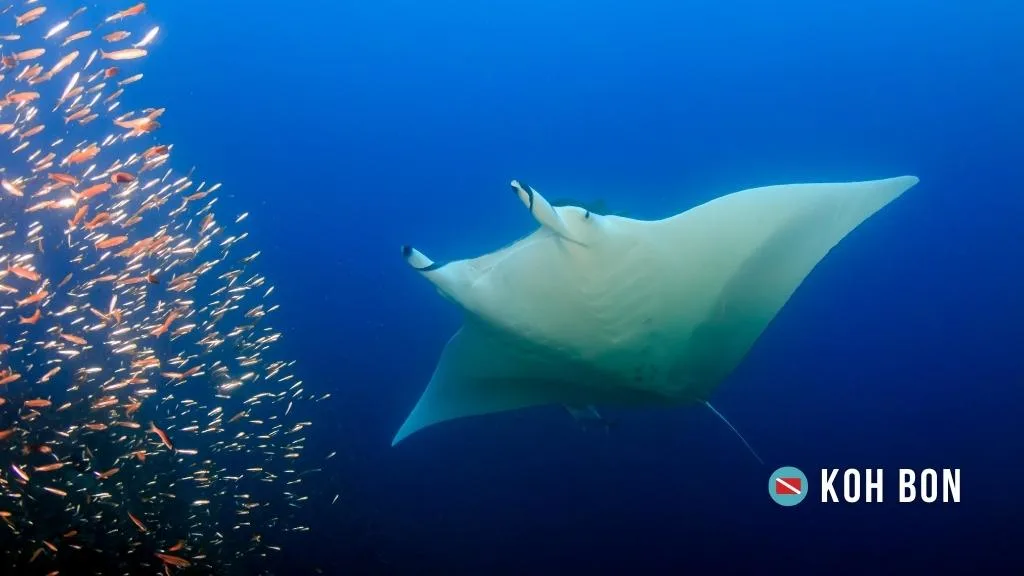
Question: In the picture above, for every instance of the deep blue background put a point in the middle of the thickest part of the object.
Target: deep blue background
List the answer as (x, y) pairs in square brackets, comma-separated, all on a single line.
[(348, 128)]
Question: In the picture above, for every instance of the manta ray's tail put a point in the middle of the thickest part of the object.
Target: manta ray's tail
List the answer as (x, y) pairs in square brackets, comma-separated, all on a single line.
[(735, 431)]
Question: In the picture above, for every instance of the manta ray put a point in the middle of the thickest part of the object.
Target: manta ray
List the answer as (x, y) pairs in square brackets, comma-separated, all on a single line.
[(595, 309)]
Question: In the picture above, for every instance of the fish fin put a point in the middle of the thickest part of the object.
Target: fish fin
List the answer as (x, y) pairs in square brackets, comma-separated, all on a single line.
[(483, 371), (447, 279), (546, 215), (740, 257)]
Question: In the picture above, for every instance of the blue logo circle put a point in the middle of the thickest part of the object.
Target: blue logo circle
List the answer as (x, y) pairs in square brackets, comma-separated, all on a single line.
[(788, 486)]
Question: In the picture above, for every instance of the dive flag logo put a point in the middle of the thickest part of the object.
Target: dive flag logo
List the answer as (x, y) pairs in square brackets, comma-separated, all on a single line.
[(787, 486)]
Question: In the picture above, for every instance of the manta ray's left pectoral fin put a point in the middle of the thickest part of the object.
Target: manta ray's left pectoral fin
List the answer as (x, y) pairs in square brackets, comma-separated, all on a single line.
[(483, 371), (545, 214)]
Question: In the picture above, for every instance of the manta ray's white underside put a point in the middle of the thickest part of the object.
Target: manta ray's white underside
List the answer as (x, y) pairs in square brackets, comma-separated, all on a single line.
[(605, 310)]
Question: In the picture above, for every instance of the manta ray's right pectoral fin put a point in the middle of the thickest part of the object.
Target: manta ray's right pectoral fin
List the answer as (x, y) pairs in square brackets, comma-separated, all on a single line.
[(546, 214)]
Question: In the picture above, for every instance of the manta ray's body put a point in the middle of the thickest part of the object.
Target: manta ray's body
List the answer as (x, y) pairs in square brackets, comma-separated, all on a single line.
[(606, 310)]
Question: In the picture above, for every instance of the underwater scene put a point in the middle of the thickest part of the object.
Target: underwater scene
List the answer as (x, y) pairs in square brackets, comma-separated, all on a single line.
[(475, 288)]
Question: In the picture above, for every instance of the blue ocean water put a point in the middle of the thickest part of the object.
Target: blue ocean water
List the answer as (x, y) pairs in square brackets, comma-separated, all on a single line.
[(350, 128)]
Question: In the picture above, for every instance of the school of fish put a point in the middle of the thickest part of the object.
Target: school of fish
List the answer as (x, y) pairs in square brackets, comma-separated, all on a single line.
[(144, 415)]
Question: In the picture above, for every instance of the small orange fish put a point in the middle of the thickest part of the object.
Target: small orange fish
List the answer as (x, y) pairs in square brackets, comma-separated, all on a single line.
[(38, 296), (19, 97), (94, 190), (10, 378), (161, 329), (49, 374), (37, 403), (80, 156), (141, 124), (49, 467), (29, 54), (98, 220), (146, 363), (125, 54), (30, 16), (32, 131), (74, 339), (62, 64), (137, 522), (180, 545), (132, 11), (76, 36), (108, 474), (163, 436), (173, 560), (104, 403), (31, 319), (111, 242), (25, 273), (155, 151), (66, 179), (78, 216), (117, 36)]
